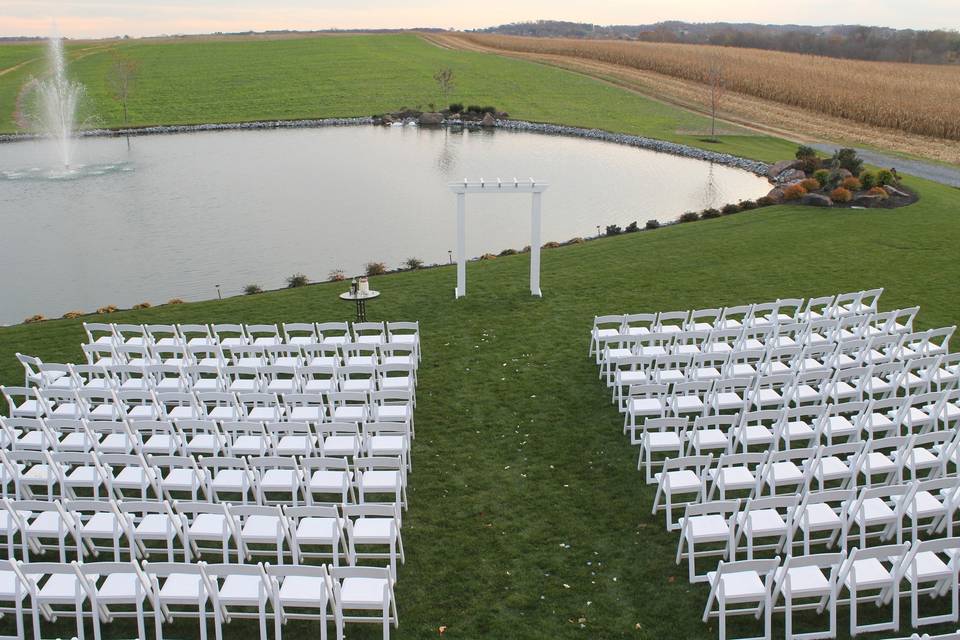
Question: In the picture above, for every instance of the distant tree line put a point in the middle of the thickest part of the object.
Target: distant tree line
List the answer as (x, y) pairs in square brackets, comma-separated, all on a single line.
[(838, 41)]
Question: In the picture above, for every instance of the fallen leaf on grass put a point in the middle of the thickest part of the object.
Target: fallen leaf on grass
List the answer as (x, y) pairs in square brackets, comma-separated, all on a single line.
[(442, 629)]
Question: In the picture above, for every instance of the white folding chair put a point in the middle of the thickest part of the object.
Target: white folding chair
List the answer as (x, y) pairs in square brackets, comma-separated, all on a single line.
[(706, 523), (299, 592), (363, 589), (747, 582), (877, 572), (802, 579)]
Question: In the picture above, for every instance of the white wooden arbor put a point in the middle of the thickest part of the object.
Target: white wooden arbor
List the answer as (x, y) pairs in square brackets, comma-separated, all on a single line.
[(515, 186)]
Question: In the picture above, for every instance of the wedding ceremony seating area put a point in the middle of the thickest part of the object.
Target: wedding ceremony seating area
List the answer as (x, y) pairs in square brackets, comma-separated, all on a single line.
[(806, 453), (210, 472)]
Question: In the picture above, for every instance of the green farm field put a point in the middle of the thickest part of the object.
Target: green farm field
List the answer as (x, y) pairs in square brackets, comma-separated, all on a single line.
[(201, 81), (528, 517)]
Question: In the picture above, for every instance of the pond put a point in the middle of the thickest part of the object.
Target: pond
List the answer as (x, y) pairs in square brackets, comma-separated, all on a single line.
[(173, 216)]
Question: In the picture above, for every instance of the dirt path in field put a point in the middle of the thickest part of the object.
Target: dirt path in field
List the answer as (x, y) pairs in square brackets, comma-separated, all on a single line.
[(760, 115), (19, 65)]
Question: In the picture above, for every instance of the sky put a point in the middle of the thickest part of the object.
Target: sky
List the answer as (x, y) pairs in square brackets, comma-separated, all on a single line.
[(104, 18)]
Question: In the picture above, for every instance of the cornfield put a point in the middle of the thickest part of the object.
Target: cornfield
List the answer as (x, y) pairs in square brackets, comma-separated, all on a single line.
[(920, 99)]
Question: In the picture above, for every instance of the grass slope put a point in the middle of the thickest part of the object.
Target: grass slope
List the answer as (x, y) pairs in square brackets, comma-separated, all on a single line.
[(519, 451), (193, 81)]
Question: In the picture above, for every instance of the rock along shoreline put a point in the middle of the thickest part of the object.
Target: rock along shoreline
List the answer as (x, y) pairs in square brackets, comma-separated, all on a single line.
[(640, 142)]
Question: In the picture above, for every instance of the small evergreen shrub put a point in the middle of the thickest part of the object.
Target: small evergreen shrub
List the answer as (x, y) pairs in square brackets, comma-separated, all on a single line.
[(747, 205), (456, 107), (652, 224), (841, 195), (851, 184), (707, 214), (473, 108), (375, 269), (551, 245), (508, 252), (803, 151), (810, 184), (252, 289), (614, 230), (848, 159), (632, 227), (810, 164), (884, 177), (297, 280), (412, 264), (765, 201), (868, 180), (489, 109), (822, 176), (690, 216), (794, 192)]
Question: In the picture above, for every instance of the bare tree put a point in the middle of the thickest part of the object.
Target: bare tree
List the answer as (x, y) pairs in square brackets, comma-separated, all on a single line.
[(122, 77), (445, 81), (716, 89)]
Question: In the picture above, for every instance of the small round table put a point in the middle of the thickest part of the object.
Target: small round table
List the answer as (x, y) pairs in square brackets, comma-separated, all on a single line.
[(361, 300)]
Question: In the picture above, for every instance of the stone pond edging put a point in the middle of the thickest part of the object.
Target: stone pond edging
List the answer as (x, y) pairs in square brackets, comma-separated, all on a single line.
[(661, 146)]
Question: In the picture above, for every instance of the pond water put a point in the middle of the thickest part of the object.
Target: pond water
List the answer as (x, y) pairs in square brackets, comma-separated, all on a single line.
[(173, 216)]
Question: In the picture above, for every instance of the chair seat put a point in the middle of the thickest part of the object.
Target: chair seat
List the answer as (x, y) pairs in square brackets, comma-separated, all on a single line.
[(765, 522), (707, 528), (307, 414), (244, 385), (819, 516), (683, 404), (154, 526), (209, 526), (317, 530), (280, 480), (340, 445), (303, 591), (380, 480), (204, 443), (47, 524), (874, 511), (350, 413), (786, 473), (733, 477), (242, 590), (244, 445), (234, 480), (60, 588), (681, 481), (870, 573), (363, 593), (102, 524), (296, 445), (261, 528), (374, 530), (645, 406), (929, 567), (120, 587), (181, 480), (662, 441), (327, 481), (182, 588), (116, 443), (76, 441), (741, 585)]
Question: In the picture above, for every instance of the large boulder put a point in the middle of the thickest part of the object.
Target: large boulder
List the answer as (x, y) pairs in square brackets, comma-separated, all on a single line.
[(867, 201), (776, 194), (790, 175), (816, 200), (431, 118), (779, 167), (488, 120)]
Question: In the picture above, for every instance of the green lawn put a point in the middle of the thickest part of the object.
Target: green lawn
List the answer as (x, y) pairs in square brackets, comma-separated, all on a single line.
[(192, 82), (519, 450)]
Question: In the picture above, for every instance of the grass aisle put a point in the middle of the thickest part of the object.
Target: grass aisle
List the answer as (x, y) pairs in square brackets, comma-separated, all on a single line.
[(519, 451)]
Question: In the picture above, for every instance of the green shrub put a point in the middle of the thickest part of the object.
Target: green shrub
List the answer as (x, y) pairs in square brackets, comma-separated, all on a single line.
[(809, 165), (707, 214), (252, 289), (509, 252), (297, 280), (868, 180), (747, 205), (803, 151), (553, 244), (765, 201), (614, 230), (336, 275), (794, 192), (730, 209), (822, 176), (652, 224), (456, 107), (810, 184), (632, 227), (489, 109), (884, 177), (690, 216), (375, 268), (847, 159), (841, 195), (473, 108), (412, 264)]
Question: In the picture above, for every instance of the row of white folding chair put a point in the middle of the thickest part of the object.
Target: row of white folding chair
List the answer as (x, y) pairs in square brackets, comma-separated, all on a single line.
[(826, 582), (103, 591), (781, 310), (726, 337), (110, 405), (238, 334), (248, 356), (239, 533), (208, 438), (931, 415), (806, 386), (885, 462), (847, 353), (257, 479), (795, 523)]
